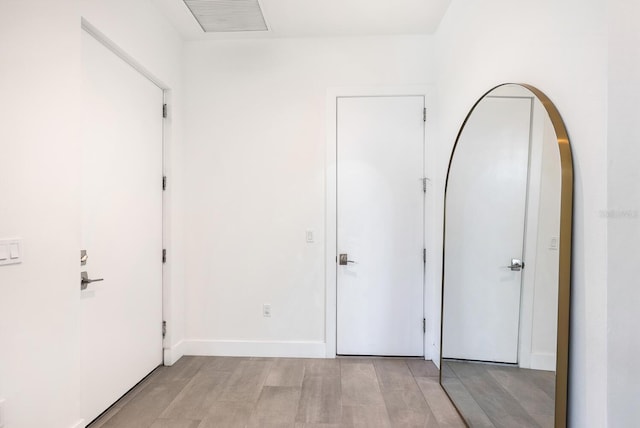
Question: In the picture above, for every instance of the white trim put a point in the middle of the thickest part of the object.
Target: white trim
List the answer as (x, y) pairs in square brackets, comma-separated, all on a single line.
[(173, 354), (330, 208), (540, 361), (169, 304), (264, 18), (118, 51), (435, 354), (529, 252), (79, 424), (250, 348)]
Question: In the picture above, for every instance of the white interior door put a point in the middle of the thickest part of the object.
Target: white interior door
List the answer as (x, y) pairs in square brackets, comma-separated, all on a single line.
[(485, 217), (380, 224), (121, 316)]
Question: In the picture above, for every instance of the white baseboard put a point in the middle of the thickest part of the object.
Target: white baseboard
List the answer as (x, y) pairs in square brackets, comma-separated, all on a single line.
[(79, 424), (435, 355), (543, 361), (244, 348), (173, 354)]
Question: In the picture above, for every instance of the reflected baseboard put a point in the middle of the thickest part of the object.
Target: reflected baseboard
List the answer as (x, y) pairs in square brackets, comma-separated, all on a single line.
[(543, 361)]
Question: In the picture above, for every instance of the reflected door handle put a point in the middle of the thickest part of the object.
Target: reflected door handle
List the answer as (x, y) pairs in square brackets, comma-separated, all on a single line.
[(516, 265), (344, 259), (85, 281)]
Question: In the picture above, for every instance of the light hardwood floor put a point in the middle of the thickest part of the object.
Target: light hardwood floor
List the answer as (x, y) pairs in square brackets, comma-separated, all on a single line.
[(226, 392), (499, 396)]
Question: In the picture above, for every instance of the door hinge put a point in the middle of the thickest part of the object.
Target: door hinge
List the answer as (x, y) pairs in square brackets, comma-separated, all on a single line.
[(164, 255), (424, 255), (164, 182), (164, 329), (424, 325), (164, 111), (424, 114), (424, 184)]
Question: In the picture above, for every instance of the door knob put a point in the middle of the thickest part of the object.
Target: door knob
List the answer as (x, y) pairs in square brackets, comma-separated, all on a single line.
[(85, 281), (344, 259), (516, 265)]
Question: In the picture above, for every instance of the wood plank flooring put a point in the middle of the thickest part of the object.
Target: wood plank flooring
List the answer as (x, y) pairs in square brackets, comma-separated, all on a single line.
[(228, 392), (490, 395)]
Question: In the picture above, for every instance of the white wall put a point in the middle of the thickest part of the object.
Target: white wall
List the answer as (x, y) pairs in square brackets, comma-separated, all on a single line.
[(40, 189), (623, 213), (560, 47), (39, 194), (255, 178)]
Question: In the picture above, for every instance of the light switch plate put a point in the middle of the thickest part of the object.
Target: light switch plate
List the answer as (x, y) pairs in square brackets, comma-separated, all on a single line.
[(14, 251), (10, 251)]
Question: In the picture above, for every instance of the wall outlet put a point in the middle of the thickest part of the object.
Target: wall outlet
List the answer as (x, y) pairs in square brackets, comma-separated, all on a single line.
[(2, 413), (266, 312)]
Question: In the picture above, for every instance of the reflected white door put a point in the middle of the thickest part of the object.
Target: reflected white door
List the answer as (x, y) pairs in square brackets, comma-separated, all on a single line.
[(121, 316), (380, 224), (485, 217)]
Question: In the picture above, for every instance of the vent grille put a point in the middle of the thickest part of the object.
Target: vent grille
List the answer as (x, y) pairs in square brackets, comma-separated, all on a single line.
[(228, 15)]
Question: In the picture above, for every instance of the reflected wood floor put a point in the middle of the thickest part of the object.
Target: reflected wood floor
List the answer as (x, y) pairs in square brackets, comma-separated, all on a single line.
[(492, 395), (227, 392)]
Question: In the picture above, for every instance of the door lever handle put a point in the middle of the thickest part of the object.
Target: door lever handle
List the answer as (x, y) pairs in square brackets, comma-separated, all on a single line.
[(85, 281), (516, 265), (344, 259)]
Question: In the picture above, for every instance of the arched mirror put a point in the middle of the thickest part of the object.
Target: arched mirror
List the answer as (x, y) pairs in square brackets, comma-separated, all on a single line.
[(507, 263)]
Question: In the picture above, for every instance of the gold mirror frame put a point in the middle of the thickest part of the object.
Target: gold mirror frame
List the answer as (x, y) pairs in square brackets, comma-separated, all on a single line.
[(564, 249)]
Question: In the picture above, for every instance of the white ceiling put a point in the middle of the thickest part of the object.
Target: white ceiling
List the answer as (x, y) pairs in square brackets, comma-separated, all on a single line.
[(323, 18)]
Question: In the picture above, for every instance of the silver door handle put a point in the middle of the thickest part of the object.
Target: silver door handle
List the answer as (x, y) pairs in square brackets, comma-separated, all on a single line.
[(516, 265), (344, 259), (85, 281)]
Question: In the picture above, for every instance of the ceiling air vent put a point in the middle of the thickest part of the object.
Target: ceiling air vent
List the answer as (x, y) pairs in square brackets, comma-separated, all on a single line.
[(227, 15)]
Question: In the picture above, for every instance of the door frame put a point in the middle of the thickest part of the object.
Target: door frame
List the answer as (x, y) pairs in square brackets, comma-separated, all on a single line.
[(167, 356), (527, 358), (331, 251)]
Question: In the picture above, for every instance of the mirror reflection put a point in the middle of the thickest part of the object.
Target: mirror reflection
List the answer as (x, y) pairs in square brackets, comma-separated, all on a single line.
[(501, 263)]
